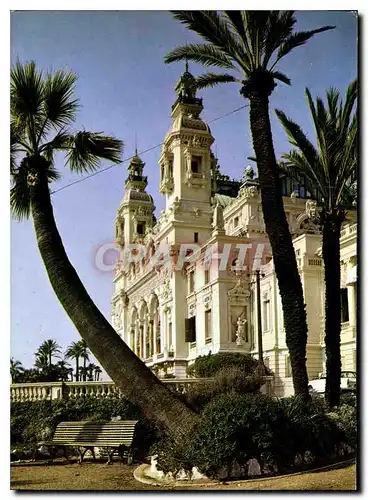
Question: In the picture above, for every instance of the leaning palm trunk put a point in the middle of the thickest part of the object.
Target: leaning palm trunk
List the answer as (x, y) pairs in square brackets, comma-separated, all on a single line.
[(331, 257), (134, 379), (277, 229)]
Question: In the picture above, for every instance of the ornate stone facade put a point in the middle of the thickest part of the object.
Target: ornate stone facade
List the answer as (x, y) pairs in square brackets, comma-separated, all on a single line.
[(169, 315)]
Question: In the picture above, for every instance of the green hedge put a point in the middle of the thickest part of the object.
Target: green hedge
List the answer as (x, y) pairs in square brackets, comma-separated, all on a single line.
[(34, 421), (234, 428), (209, 365)]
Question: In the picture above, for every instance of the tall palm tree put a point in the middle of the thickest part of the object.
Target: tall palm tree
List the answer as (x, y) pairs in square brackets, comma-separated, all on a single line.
[(16, 370), (75, 351), (83, 373), (41, 362), (64, 369), (98, 371), (90, 371), (329, 169), (84, 355), (250, 44), (48, 349), (43, 109)]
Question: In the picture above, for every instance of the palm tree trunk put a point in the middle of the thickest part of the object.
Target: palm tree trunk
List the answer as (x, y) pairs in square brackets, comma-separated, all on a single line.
[(136, 381), (331, 257), (77, 369), (277, 228)]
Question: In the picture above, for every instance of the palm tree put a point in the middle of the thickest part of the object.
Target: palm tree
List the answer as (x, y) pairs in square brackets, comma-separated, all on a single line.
[(83, 373), (90, 370), (42, 362), (43, 108), (49, 348), (97, 373), (84, 355), (329, 169), (74, 351), (250, 44), (16, 370), (64, 370)]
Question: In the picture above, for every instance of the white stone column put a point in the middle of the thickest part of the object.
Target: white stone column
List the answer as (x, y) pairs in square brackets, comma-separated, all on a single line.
[(351, 286), (352, 303)]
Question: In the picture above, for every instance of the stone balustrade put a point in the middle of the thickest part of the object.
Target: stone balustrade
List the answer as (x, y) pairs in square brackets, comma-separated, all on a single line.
[(73, 390), (349, 231)]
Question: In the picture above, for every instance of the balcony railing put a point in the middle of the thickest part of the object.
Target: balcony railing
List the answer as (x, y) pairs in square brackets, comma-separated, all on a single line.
[(349, 231), (74, 390)]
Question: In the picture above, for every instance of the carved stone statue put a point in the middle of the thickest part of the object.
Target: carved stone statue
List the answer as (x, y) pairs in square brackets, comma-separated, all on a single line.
[(218, 217), (248, 174), (311, 209), (240, 331)]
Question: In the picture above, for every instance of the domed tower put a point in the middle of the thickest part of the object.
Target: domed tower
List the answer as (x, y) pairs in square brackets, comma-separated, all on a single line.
[(185, 161), (136, 212)]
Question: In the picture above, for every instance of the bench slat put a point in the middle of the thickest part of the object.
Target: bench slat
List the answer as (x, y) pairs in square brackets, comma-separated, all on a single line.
[(94, 433)]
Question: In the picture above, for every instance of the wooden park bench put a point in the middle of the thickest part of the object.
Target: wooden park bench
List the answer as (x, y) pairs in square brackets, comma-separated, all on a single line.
[(112, 436)]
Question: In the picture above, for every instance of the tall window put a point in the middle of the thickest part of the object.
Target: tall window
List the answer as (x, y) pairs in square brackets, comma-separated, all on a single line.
[(140, 227), (344, 305), (266, 314), (206, 276), (208, 325), (196, 164), (158, 338), (236, 221), (170, 169), (171, 347), (191, 282), (132, 335), (195, 237)]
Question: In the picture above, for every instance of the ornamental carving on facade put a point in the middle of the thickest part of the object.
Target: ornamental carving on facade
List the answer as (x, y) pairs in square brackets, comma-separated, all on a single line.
[(166, 290), (311, 210)]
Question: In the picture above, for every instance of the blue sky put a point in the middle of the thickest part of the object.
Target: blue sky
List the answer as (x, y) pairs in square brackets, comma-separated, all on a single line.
[(126, 90)]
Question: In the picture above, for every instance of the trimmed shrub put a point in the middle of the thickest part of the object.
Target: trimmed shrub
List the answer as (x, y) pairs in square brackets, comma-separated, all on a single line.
[(209, 365), (226, 380)]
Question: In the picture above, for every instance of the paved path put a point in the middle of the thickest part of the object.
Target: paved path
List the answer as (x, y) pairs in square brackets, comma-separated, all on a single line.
[(97, 476)]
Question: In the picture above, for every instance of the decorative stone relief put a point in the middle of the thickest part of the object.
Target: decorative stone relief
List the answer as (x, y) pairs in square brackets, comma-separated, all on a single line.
[(311, 209), (207, 301)]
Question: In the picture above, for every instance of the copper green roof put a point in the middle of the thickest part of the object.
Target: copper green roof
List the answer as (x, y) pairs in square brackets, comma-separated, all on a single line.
[(222, 199)]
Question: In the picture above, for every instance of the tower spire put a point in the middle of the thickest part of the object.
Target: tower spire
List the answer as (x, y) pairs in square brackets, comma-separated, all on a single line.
[(136, 149)]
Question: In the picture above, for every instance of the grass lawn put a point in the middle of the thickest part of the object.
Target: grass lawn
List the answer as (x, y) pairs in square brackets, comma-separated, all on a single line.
[(118, 476)]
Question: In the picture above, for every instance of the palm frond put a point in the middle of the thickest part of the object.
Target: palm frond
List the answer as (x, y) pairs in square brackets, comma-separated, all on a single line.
[(59, 107), (280, 76), (212, 26), (350, 100), (332, 101), (87, 149), (295, 165), (279, 27), (20, 199), (205, 54), (296, 40), (297, 137), (61, 142), (26, 90), (211, 79)]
